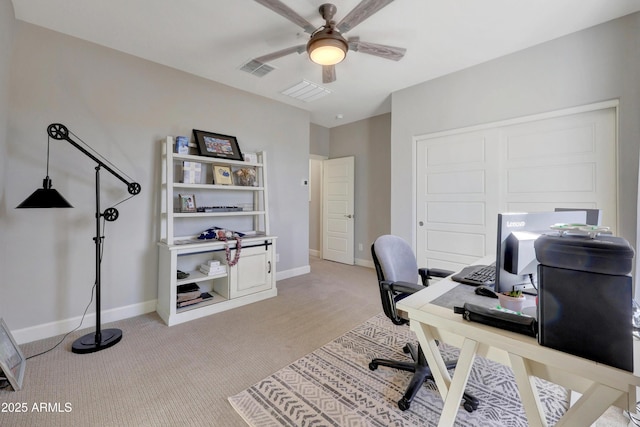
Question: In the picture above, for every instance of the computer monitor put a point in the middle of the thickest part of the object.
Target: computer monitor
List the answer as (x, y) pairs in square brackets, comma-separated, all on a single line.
[(594, 216), (516, 263)]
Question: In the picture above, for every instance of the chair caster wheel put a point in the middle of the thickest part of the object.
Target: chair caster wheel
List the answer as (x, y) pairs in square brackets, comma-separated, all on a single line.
[(403, 404), (470, 406), (373, 366)]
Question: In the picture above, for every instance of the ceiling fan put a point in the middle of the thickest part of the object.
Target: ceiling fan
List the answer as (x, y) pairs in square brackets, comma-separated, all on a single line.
[(327, 45)]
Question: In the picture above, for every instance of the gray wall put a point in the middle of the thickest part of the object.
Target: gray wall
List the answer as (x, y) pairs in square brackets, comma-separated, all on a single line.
[(319, 140), (597, 64), (121, 106), (7, 25), (7, 29), (368, 141)]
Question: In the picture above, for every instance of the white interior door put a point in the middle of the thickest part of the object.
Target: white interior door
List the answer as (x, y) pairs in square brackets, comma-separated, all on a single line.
[(465, 178), (338, 210)]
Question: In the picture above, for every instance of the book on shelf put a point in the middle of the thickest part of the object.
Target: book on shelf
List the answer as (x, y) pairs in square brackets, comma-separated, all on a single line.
[(212, 271), (182, 144), (187, 292), (188, 287), (204, 296)]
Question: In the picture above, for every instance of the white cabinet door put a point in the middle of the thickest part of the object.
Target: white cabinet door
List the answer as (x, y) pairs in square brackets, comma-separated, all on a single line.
[(253, 272)]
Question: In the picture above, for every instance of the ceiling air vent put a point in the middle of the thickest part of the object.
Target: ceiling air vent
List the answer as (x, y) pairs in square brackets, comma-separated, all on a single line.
[(257, 68), (306, 91)]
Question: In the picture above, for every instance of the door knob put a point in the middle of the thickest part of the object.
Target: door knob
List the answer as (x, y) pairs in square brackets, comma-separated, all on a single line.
[(421, 223), (349, 216)]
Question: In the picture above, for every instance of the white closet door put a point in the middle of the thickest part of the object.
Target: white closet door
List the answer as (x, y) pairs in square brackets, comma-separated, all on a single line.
[(464, 179), (567, 161), (457, 193)]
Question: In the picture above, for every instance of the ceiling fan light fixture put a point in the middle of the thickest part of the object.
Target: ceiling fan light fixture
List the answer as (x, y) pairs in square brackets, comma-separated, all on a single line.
[(328, 50)]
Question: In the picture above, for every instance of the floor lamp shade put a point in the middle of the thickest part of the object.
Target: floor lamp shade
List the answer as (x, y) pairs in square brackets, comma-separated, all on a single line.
[(45, 197)]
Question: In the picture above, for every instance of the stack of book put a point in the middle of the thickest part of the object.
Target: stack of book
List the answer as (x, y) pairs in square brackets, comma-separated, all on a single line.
[(212, 268), (189, 294)]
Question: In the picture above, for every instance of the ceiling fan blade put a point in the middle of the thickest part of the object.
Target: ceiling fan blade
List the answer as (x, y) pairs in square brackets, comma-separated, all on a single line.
[(285, 11), (362, 11), (328, 73), (280, 53), (383, 51)]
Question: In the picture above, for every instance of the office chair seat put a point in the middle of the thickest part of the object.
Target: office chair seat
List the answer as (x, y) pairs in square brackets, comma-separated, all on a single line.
[(398, 276)]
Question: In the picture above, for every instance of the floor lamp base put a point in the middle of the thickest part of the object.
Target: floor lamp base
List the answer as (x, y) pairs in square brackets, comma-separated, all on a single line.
[(87, 343)]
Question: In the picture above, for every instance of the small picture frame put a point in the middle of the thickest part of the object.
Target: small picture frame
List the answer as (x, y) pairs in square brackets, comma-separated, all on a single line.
[(246, 177), (222, 175), (191, 172), (251, 157), (12, 361), (217, 145), (187, 202)]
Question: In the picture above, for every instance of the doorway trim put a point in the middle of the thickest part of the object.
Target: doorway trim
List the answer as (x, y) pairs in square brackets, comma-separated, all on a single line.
[(315, 186)]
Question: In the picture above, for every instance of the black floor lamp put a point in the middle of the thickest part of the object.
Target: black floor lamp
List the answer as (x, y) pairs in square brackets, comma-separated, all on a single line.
[(48, 197)]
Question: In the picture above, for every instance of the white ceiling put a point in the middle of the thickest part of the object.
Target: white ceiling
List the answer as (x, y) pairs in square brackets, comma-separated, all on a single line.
[(214, 38)]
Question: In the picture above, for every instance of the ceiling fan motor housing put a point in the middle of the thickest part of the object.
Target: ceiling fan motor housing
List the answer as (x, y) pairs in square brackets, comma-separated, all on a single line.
[(327, 37), (326, 45)]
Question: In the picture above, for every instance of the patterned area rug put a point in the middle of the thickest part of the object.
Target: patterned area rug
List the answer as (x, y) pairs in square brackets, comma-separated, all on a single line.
[(333, 386)]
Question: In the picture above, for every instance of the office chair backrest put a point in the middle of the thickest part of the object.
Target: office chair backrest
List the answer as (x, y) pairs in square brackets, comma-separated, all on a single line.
[(395, 262), (396, 258)]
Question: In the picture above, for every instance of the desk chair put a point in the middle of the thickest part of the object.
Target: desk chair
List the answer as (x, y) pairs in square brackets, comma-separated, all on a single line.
[(398, 274)]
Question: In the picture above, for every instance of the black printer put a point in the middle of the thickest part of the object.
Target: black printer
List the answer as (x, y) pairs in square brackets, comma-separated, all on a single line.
[(585, 302)]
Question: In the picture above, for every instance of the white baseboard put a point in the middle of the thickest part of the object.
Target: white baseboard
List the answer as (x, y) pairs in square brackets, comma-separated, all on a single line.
[(61, 327), (364, 263), (281, 275), (360, 262)]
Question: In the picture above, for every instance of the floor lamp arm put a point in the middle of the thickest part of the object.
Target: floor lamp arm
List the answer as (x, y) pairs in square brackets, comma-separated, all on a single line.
[(61, 132)]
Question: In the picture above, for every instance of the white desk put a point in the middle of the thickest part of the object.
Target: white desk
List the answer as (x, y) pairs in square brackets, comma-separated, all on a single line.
[(601, 385)]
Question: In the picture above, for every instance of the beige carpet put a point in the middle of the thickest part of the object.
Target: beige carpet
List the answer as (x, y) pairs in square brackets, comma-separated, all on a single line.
[(183, 375)]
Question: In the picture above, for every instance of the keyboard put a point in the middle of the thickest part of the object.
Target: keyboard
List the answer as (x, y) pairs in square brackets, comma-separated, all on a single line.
[(477, 275)]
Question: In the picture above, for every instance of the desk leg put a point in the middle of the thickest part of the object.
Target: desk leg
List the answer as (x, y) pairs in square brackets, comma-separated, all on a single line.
[(460, 377), (632, 402), (528, 391), (593, 403), (432, 353), (450, 391)]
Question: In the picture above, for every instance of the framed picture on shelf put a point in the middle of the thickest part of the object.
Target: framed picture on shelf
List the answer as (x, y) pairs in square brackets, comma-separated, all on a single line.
[(191, 172), (12, 361), (217, 145), (246, 177), (187, 202), (251, 157), (222, 175)]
